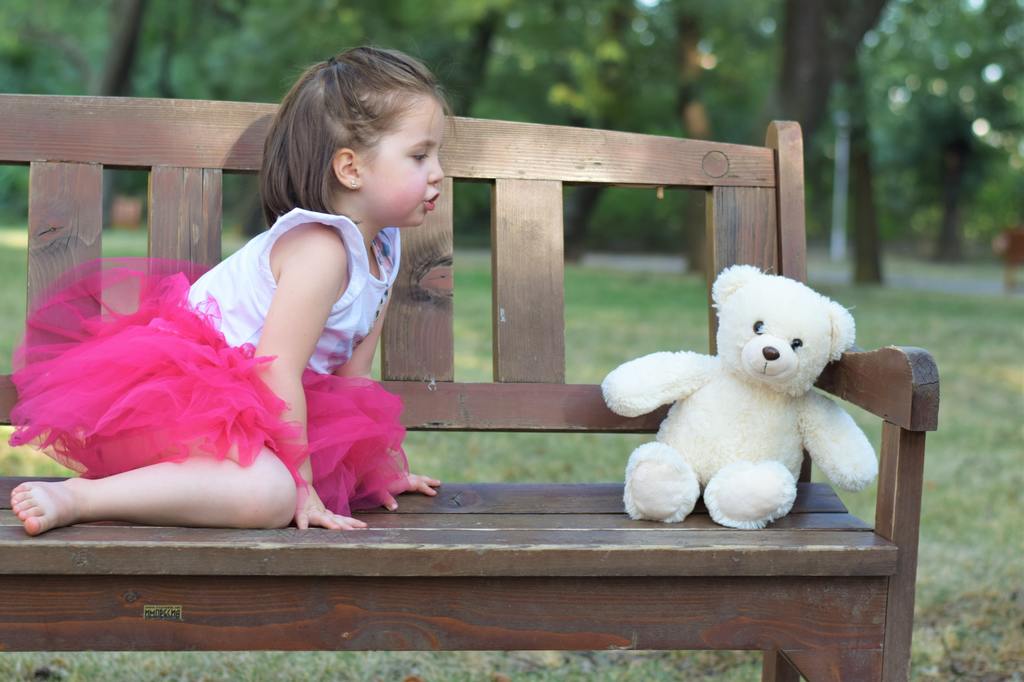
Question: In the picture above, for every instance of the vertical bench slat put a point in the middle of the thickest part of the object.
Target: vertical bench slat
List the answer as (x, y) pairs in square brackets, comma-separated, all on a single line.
[(741, 229), (418, 341), (528, 270), (65, 221), (185, 214), (787, 140)]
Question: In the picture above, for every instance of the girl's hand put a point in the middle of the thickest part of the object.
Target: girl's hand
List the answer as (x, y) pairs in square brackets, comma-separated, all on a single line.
[(414, 483), (310, 511)]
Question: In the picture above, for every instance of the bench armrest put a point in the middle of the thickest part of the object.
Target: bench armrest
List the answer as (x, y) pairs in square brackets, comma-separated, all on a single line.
[(898, 384)]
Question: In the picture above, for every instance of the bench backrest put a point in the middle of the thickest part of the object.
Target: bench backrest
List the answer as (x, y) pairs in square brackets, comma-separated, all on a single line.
[(754, 200)]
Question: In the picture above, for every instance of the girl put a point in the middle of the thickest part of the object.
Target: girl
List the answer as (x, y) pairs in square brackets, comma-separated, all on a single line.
[(243, 399)]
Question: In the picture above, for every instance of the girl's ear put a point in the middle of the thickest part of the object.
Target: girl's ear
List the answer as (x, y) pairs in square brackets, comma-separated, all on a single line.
[(345, 165)]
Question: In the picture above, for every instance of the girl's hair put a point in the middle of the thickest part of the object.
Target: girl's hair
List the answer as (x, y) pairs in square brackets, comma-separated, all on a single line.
[(351, 100)]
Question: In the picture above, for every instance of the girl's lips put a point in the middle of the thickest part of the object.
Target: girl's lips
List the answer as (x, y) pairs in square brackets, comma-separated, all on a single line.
[(431, 203)]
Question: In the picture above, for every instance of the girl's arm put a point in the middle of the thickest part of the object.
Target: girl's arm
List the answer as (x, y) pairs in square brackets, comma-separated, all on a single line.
[(361, 362), (311, 269), (360, 365)]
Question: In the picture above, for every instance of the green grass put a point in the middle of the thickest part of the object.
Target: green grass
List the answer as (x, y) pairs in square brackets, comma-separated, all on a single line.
[(969, 622)]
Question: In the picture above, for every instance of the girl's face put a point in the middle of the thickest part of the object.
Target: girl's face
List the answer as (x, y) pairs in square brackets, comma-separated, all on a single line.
[(401, 179)]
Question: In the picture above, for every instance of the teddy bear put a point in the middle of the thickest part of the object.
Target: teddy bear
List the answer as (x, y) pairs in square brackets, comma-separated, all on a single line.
[(741, 420)]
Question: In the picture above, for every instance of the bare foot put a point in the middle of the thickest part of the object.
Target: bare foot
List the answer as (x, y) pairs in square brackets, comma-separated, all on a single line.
[(42, 506)]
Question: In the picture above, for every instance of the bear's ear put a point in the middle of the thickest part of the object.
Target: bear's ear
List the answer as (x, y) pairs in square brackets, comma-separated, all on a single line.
[(844, 330), (731, 280)]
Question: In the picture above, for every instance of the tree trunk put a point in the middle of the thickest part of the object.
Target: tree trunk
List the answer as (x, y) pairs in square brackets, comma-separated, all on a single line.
[(474, 66), (117, 72), (955, 157), (819, 47), (580, 203), (579, 207), (867, 243), (126, 20), (819, 43), (696, 124), (805, 77)]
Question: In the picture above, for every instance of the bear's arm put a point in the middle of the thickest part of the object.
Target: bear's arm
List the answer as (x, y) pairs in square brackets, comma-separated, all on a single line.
[(836, 443), (641, 385)]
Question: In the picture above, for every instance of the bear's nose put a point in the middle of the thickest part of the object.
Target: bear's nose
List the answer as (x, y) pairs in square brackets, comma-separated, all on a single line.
[(770, 353)]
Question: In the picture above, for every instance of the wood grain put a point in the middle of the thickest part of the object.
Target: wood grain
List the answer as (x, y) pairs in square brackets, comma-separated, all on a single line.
[(786, 139), (777, 668), (383, 552), (741, 228), (552, 499), (898, 384), (527, 266), (185, 214), (514, 407), (449, 613), (8, 398), (449, 406), (65, 221), (839, 664), (418, 341), (141, 133), (898, 518), (564, 523)]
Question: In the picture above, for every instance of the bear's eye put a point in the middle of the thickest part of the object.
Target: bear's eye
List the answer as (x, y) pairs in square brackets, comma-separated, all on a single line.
[(796, 344), (759, 327)]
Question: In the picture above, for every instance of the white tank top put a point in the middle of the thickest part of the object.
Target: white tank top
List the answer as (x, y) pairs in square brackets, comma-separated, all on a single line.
[(242, 285)]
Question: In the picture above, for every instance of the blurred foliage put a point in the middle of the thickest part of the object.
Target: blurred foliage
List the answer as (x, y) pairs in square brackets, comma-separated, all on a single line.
[(940, 79), (936, 70)]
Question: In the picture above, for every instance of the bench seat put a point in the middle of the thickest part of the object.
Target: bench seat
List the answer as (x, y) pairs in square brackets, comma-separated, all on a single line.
[(480, 566), (473, 530)]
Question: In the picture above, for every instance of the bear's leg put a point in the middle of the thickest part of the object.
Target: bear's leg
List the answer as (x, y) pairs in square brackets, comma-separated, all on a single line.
[(660, 485), (748, 495)]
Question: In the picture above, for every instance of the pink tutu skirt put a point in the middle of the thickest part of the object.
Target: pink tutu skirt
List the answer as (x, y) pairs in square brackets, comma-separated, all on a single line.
[(117, 371)]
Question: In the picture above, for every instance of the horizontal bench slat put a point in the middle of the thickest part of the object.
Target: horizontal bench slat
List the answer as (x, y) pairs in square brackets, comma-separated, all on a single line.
[(141, 133), (450, 406), (126, 550), (57, 613), (532, 498), (444, 406), (566, 523), (910, 398)]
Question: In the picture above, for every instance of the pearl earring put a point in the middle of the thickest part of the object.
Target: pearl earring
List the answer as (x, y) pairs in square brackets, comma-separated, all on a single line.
[(355, 184)]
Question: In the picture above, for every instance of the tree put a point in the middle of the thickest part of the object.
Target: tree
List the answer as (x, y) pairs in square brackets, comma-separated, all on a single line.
[(820, 45), (945, 89)]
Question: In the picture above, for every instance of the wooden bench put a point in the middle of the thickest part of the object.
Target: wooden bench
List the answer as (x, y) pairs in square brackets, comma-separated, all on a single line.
[(481, 566)]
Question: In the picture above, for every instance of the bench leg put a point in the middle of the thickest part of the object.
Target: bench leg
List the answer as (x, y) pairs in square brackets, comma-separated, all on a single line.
[(836, 665), (777, 669)]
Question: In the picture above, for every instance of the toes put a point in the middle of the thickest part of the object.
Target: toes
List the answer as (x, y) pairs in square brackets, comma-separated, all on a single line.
[(25, 505), (34, 525)]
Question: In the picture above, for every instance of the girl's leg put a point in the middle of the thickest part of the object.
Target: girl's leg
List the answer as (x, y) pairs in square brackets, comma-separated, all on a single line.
[(199, 491)]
